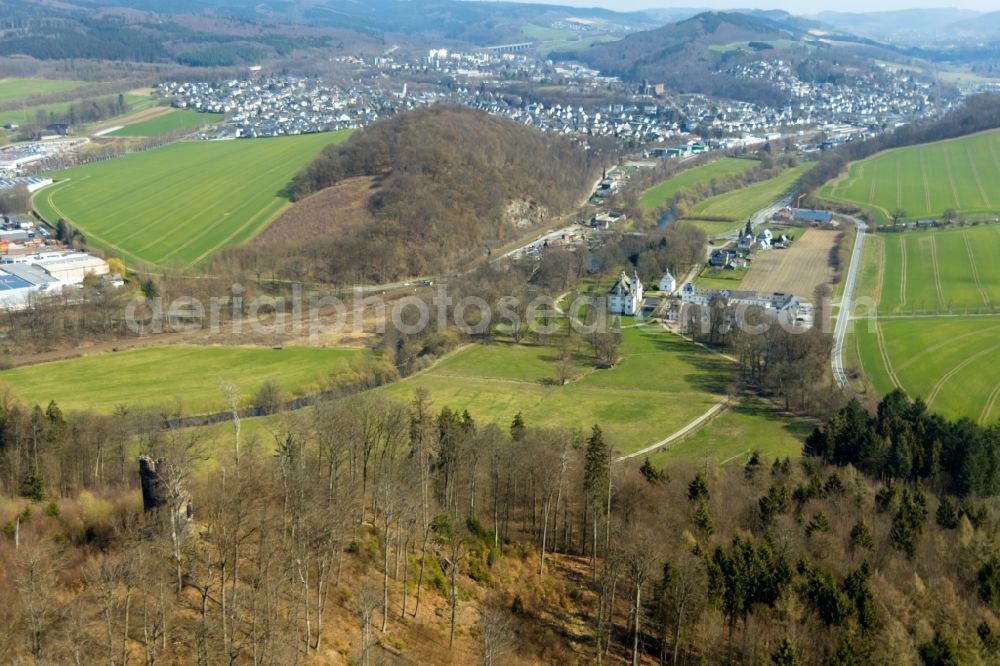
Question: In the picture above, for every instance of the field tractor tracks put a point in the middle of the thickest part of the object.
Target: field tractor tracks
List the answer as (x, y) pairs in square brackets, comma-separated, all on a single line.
[(993, 153), (883, 352), (902, 273), (979, 181), (975, 270), (988, 407), (937, 271), (944, 343), (880, 275), (936, 389), (927, 187), (951, 179)]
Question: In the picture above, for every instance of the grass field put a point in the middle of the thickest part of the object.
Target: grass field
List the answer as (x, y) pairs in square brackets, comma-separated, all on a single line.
[(660, 194), (952, 363), (554, 39), (951, 271), (154, 376), (178, 205), (30, 113), (731, 437), (926, 180), (175, 119), (728, 211), (711, 278), (661, 383), (952, 360), (12, 90)]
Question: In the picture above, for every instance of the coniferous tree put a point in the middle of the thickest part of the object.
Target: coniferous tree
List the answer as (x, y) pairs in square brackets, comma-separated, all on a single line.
[(785, 655)]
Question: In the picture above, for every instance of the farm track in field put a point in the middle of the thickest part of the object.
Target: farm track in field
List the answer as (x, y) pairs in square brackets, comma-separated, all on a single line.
[(880, 275), (975, 270), (939, 345), (951, 179), (885, 356), (988, 407), (902, 279), (937, 272), (936, 389), (979, 180), (927, 187)]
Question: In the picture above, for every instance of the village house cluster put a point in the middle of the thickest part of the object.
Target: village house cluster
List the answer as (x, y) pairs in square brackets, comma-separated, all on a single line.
[(281, 106), (494, 79)]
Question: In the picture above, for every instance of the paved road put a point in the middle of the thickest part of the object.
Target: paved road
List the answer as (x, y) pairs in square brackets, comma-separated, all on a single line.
[(846, 304)]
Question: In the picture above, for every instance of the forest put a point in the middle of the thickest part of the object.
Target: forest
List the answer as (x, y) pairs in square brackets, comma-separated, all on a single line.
[(366, 530), (907, 442), (445, 185)]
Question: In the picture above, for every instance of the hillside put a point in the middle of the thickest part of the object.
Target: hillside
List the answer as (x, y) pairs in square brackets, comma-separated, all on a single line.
[(902, 26), (428, 536), (445, 185), (232, 32), (686, 55)]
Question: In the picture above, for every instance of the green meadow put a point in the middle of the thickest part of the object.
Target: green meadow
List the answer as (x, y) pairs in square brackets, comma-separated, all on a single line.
[(662, 193), (662, 383), (29, 114), (12, 90), (925, 180), (179, 204), (952, 363), (937, 336), (732, 436), (727, 211), (168, 376), (176, 119), (951, 271)]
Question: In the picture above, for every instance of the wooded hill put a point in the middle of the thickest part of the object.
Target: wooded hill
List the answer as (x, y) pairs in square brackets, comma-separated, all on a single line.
[(365, 530), (437, 187), (691, 56)]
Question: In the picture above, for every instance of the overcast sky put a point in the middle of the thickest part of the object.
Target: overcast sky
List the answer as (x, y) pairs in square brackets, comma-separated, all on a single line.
[(794, 6)]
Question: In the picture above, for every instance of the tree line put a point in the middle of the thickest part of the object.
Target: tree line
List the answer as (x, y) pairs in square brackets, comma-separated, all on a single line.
[(364, 523), (907, 442)]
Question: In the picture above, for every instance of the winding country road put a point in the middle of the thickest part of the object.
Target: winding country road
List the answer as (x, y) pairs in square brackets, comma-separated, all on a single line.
[(846, 305)]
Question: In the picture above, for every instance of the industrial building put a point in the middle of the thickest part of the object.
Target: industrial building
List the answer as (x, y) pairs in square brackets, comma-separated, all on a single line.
[(25, 277)]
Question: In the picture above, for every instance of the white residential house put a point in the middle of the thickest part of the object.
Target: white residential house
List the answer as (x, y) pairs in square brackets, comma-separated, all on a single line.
[(764, 239), (668, 283), (626, 295)]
